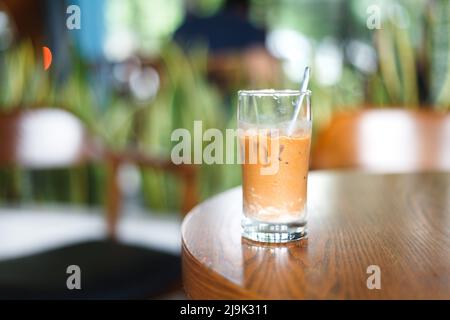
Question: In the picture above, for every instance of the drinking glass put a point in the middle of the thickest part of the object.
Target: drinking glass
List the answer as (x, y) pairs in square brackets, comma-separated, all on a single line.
[(274, 152)]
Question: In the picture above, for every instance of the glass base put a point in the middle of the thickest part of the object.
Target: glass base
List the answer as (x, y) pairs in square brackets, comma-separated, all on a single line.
[(273, 232)]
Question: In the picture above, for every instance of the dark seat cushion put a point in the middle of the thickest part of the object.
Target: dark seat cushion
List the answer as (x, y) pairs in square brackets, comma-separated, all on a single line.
[(109, 270)]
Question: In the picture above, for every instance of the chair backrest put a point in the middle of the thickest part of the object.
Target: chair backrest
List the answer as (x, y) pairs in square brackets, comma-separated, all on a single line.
[(388, 140), (43, 138)]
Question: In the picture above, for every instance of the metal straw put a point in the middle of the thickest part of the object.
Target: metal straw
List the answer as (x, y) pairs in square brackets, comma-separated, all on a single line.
[(303, 89)]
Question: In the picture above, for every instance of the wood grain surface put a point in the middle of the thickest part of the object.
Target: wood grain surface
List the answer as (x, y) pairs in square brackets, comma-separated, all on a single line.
[(399, 222)]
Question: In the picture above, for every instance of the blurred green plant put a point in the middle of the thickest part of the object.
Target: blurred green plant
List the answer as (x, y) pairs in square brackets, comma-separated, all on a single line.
[(25, 84), (185, 96), (412, 49)]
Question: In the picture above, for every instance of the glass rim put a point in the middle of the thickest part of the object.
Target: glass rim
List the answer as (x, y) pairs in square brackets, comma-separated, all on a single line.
[(274, 92)]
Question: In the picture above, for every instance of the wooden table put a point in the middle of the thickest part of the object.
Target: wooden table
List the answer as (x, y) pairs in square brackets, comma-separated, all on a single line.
[(399, 222)]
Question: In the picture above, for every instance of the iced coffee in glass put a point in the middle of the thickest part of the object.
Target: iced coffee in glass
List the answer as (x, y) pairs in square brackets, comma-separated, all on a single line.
[(274, 151)]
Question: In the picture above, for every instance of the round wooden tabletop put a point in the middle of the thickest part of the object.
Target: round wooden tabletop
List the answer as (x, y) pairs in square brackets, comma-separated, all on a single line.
[(358, 222)]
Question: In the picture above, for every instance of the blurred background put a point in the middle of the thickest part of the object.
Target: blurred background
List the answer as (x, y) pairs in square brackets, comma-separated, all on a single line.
[(136, 70)]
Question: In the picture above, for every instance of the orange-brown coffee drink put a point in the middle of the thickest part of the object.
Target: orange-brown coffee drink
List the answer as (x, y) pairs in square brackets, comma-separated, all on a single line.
[(275, 159), (277, 194)]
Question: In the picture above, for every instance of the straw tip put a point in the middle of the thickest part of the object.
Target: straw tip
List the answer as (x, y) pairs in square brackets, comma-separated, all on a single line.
[(307, 70)]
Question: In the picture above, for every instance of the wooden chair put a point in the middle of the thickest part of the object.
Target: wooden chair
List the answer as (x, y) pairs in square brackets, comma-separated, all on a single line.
[(53, 138), (388, 140), (41, 138)]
